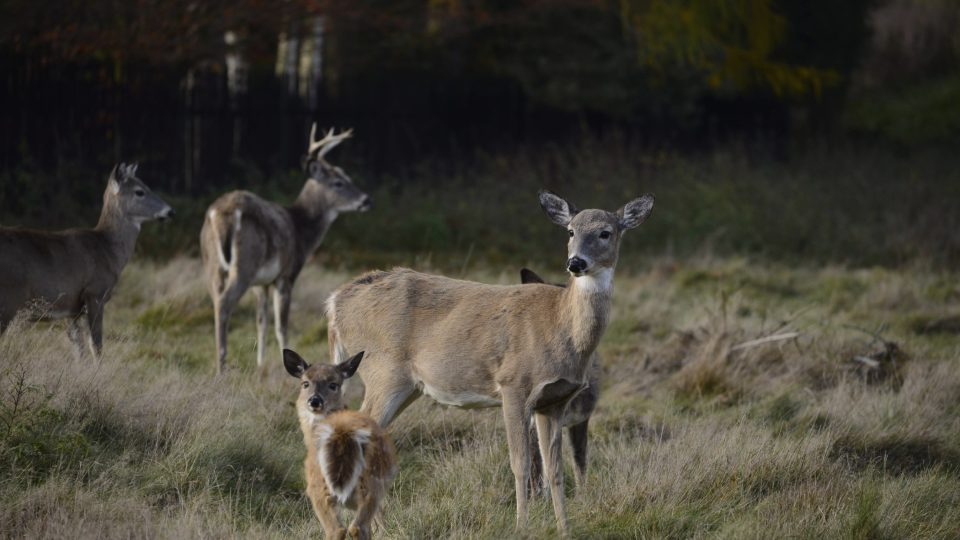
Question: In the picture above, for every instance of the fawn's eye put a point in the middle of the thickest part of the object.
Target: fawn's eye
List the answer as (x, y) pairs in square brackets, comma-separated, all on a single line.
[(306, 384), (571, 233), (139, 193), (333, 386), (604, 235)]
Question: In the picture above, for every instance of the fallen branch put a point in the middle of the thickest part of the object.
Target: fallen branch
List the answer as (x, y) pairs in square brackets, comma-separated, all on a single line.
[(764, 340)]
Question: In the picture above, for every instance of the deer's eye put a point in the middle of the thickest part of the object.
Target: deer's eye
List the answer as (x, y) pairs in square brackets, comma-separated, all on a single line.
[(571, 233), (306, 384), (604, 235), (333, 386), (139, 193), (338, 183)]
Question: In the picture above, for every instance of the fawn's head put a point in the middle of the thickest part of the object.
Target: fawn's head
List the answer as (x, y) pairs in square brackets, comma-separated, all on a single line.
[(129, 198), (594, 234), (321, 384), (327, 183)]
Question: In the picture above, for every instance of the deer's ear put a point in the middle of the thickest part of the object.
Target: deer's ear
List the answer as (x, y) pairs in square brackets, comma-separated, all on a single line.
[(529, 276), (296, 366), (315, 169), (348, 368), (558, 210), (635, 212)]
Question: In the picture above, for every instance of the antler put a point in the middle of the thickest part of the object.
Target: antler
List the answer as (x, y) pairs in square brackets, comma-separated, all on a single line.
[(329, 141)]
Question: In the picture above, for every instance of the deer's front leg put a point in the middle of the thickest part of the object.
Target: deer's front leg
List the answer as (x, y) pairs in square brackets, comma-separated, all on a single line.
[(517, 421), (94, 307), (548, 430)]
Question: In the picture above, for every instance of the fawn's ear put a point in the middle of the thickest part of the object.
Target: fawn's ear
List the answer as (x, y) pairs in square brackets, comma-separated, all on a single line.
[(296, 366), (635, 212), (348, 368), (558, 210), (529, 276)]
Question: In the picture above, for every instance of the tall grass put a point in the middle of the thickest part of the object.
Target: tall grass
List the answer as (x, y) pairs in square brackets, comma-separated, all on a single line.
[(693, 436), (834, 203)]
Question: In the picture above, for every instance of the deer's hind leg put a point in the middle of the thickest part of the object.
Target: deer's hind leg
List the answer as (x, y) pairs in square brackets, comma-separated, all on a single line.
[(282, 291), (223, 305), (367, 505), (263, 321)]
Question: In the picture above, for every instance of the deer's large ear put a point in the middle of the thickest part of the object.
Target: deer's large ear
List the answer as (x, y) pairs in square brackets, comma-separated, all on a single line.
[(296, 366), (115, 176), (314, 169), (529, 276), (635, 212), (348, 368), (558, 210)]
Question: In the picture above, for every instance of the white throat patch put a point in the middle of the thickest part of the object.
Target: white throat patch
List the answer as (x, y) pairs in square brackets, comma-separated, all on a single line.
[(599, 282)]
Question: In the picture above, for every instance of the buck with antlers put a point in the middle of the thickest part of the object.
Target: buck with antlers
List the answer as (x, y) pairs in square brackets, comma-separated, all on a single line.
[(69, 273), (247, 241), (526, 348)]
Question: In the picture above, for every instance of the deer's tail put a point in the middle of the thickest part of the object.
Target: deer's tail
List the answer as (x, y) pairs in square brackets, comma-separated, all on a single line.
[(340, 453), (227, 235)]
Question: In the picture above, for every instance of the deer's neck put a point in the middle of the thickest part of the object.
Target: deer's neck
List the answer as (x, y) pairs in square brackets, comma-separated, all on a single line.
[(586, 306), (120, 233), (312, 217)]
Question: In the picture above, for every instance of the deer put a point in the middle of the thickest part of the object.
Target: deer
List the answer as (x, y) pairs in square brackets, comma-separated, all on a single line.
[(71, 274), (350, 460), (524, 348), (576, 417), (247, 241)]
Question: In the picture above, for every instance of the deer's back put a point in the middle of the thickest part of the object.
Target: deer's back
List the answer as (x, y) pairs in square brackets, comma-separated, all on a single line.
[(454, 335)]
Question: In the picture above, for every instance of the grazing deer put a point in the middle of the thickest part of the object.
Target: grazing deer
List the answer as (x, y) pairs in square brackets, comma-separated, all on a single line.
[(526, 348), (350, 460), (247, 241), (576, 418), (64, 274)]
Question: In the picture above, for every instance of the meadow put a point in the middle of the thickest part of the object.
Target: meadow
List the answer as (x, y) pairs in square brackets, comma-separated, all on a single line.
[(849, 429)]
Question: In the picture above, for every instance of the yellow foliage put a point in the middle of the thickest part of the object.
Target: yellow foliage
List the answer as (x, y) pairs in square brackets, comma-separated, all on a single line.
[(729, 42)]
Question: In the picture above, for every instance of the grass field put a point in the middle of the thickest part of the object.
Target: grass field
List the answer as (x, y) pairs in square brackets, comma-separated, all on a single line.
[(694, 436)]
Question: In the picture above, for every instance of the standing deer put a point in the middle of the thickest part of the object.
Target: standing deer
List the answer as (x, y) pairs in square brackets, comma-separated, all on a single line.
[(247, 241), (526, 348), (350, 460), (65, 274), (576, 418)]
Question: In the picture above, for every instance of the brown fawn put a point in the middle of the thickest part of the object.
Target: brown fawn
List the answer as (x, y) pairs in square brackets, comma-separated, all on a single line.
[(350, 460)]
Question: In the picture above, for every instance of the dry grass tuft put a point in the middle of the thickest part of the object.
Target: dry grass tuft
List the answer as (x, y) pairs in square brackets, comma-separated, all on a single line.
[(696, 433)]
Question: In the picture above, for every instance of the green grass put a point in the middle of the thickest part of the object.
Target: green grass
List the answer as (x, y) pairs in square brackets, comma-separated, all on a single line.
[(692, 438)]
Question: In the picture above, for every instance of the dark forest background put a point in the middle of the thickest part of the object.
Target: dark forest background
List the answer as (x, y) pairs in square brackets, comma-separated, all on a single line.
[(794, 129)]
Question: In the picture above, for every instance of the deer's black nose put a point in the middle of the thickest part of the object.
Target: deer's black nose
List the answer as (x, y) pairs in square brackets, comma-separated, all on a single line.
[(576, 265), (366, 204), (315, 402)]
